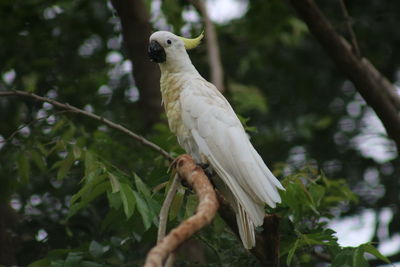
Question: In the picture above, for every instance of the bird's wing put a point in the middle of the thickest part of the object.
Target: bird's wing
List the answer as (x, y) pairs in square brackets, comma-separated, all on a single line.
[(222, 140)]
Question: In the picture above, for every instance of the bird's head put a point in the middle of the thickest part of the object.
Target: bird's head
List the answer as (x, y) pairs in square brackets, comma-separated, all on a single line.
[(166, 47)]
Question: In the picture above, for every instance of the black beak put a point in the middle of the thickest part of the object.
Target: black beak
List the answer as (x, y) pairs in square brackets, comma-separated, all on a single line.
[(156, 52)]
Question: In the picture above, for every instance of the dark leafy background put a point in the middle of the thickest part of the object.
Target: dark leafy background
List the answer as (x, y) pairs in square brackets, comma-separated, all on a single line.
[(85, 195)]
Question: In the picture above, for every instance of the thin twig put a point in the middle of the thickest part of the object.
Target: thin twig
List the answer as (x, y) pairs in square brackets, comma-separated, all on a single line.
[(162, 227), (165, 208), (350, 30), (206, 210), (91, 115)]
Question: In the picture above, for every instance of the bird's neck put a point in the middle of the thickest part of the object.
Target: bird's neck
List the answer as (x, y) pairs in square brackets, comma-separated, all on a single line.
[(177, 63)]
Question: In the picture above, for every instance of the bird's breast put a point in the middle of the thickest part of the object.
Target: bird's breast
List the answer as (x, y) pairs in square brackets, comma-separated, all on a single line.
[(171, 86)]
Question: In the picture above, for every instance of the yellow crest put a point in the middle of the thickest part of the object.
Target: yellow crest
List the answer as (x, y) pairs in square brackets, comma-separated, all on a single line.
[(192, 43)]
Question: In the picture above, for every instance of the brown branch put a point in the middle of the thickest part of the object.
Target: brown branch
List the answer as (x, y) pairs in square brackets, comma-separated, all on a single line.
[(136, 30), (206, 210), (214, 58), (350, 30), (377, 91), (267, 241), (93, 116)]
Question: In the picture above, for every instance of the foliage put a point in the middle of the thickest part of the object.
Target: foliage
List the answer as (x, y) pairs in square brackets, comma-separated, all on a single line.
[(85, 195), (307, 206)]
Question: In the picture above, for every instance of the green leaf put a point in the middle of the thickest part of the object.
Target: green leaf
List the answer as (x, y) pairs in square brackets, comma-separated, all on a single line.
[(114, 199), (88, 197), (143, 210), (40, 263), (317, 192), (38, 159), (154, 208), (142, 187), (66, 165), (343, 259), (73, 259), (59, 124), (115, 185), (69, 133), (291, 252), (87, 188), (358, 258), (372, 250), (248, 98), (128, 199), (218, 224), (30, 81), (95, 249), (24, 167), (90, 163), (59, 263), (90, 264), (191, 205), (77, 151), (176, 205)]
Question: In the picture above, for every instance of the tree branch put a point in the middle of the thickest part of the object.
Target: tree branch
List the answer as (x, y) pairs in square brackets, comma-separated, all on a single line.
[(377, 91), (347, 19), (93, 116), (206, 210), (214, 58)]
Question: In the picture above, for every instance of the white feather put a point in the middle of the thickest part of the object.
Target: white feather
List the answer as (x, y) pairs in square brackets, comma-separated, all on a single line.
[(222, 140)]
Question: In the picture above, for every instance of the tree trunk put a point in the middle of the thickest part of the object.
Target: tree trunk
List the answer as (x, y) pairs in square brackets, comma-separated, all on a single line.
[(136, 30)]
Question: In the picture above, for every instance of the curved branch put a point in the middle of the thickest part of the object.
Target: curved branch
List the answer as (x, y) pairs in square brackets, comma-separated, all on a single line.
[(375, 88), (91, 115), (206, 210), (214, 58)]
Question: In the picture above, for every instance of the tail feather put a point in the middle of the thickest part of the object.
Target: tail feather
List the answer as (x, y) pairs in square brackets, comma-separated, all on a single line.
[(246, 228)]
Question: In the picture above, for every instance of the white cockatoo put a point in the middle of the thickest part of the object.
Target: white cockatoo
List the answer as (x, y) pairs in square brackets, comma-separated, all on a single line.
[(209, 130)]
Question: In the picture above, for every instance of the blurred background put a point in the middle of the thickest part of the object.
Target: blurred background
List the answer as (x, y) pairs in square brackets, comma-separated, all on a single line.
[(299, 109)]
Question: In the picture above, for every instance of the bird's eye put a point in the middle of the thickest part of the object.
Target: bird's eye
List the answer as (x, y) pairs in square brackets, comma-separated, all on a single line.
[(169, 42)]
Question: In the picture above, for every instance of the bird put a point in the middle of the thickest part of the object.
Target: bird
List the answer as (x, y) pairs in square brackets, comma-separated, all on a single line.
[(209, 130)]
